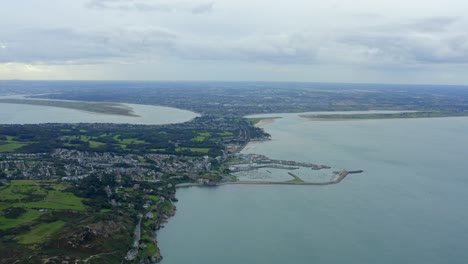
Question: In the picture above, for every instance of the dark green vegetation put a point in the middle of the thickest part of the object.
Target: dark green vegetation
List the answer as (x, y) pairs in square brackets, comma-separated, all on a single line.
[(50, 220), (121, 174), (385, 116), (101, 108), (203, 136), (24, 201), (10, 144)]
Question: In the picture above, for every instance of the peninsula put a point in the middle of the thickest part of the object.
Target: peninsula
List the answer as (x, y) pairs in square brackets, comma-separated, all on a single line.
[(92, 107)]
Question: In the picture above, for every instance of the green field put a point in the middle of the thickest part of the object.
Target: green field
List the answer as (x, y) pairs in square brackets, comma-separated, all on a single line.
[(154, 197), (33, 196), (29, 216), (226, 134), (40, 232), (158, 150), (201, 137), (57, 200), (11, 145), (127, 141), (19, 191), (95, 144), (199, 150)]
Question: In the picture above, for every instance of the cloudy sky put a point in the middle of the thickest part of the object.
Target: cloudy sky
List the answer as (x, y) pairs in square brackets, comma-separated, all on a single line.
[(380, 41)]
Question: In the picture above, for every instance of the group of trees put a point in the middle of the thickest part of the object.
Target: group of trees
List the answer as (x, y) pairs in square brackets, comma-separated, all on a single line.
[(110, 138)]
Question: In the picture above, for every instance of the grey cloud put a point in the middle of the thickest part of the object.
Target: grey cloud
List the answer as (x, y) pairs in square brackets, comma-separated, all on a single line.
[(203, 8), (426, 41), (143, 7), (435, 43), (150, 6), (282, 48), (65, 45), (433, 24), (108, 4)]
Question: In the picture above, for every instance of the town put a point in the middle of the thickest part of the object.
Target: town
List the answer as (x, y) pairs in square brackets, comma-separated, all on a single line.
[(115, 184)]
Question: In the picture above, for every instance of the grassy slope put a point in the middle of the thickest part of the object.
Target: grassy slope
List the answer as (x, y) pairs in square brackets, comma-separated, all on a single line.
[(33, 195), (40, 232), (11, 145)]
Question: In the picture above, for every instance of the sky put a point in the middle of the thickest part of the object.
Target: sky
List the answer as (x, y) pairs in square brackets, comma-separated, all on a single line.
[(360, 41)]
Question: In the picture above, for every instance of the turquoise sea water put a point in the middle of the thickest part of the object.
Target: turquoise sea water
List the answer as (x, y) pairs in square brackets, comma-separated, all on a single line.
[(410, 205)]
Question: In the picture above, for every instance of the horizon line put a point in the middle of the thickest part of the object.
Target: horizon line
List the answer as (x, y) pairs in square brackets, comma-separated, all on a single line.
[(233, 81)]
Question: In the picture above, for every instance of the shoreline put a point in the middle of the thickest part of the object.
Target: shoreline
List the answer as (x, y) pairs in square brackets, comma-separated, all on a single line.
[(261, 121), (108, 105), (139, 116), (264, 122)]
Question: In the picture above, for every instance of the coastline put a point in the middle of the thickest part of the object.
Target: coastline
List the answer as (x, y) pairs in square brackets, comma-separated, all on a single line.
[(261, 121), (108, 109), (264, 122)]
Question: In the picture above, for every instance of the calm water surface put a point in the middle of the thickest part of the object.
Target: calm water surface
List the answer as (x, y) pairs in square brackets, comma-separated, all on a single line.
[(35, 114), (408, 207)]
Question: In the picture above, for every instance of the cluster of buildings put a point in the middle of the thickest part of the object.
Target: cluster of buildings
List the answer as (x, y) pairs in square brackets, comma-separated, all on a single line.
[(26, 166), (75, 165)]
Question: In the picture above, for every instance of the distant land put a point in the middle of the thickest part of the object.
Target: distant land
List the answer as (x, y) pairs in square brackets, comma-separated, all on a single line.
[(382, 115), (238, 99), (93, 107)]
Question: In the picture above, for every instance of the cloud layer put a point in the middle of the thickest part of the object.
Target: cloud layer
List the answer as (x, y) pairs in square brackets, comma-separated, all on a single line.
[(423, 41), (301, 34), (150, 6)]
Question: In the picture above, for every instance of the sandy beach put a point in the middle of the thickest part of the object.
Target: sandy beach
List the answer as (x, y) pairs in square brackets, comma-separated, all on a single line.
[(265, 122)]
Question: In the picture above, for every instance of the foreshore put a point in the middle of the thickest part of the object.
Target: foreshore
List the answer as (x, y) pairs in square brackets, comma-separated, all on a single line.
[(264, 122)]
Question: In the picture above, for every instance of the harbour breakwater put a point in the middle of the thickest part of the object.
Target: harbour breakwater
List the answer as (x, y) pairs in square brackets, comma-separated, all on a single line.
[(247, 162), (339, 177)]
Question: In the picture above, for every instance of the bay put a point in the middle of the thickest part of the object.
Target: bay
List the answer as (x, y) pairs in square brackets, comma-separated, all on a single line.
[(35, 114), (409, 206)]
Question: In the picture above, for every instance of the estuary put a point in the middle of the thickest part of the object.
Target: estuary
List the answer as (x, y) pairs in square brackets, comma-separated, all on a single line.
[(405, 208)]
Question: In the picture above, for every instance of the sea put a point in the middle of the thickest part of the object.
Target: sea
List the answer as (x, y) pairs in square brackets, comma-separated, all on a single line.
[(409, 206)]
